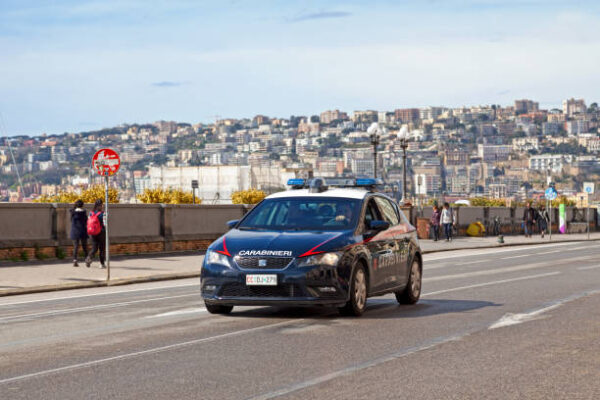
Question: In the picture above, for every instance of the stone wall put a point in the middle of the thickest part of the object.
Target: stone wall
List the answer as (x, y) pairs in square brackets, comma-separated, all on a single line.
[(29, 231)]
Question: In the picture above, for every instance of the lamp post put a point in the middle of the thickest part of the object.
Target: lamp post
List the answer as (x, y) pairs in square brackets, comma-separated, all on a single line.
[(375, 130), (403, 136)]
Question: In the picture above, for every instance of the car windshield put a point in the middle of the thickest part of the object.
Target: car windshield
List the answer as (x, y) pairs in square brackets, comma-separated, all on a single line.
[(303, 213)]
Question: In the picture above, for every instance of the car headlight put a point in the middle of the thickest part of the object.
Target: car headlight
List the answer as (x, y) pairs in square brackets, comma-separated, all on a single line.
[(212, 257), (329, 259)]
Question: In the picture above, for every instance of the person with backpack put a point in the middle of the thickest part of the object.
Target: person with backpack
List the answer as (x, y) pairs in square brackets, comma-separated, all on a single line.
[(79, 230), (95, 228), (435, 223)]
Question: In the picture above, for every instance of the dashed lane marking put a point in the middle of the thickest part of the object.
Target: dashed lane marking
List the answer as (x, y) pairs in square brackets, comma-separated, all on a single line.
[(88, 308), (144, 352), (521, 278)]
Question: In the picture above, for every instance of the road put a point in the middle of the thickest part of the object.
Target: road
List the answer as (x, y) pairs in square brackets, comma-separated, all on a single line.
[(519, 322)]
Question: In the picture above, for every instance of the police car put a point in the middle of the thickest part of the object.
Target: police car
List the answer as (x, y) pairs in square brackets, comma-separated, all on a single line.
[(331, 242)]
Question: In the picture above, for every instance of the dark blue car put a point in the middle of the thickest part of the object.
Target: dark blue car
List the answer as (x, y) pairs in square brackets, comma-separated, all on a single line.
[(332, 243)]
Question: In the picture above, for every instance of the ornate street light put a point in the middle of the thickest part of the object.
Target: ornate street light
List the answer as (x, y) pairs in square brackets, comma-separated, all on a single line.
[(403, 135), (375, 131)]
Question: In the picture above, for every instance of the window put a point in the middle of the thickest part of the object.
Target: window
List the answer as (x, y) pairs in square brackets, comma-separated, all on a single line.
[(371, 213), (388, 210), (303, 214)]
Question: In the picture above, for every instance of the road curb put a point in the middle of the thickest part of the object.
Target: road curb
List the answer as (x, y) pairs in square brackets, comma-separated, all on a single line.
[(498, 245), (95, 284)]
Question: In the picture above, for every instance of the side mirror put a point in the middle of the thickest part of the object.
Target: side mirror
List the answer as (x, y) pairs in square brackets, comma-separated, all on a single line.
[(232, 223), (377, 225)]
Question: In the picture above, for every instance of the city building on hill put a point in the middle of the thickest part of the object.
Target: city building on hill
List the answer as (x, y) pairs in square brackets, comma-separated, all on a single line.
[(525, 144), (407, 115), (493, 153), (526, 106), (329, 116), (572, 106), (366, 117), (550, 162)]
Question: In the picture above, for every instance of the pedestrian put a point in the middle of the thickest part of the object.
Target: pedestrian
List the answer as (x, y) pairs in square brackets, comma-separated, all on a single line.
[(96, 230), (447, 219), (435, 223), (543, 219), (529, 219), (79, 230)]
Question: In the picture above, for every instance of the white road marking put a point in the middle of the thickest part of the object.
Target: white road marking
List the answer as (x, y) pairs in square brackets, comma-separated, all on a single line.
[(104, 293), (144, 352), (588, 267), (514, 319), (522, 278), (355, 368), (88, 308), (494, 250), (503, 270), (519, 256), (179, 312)]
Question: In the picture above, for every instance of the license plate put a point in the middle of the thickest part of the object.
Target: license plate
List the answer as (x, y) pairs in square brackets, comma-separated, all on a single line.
[(261, 280)]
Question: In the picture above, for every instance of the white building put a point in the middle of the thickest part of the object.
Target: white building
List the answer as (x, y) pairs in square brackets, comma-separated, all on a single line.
[(545, 162), (217, 183), (526, 143)]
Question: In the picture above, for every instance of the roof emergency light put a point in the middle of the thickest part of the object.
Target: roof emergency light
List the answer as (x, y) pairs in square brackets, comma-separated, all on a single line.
[(296, 183)]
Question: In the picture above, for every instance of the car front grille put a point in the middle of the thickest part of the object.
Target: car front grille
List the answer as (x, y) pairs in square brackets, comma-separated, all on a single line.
[(241, 290), (263, 263)]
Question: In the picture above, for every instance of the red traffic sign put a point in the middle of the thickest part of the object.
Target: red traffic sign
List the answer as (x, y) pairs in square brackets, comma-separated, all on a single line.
[(106, 162)]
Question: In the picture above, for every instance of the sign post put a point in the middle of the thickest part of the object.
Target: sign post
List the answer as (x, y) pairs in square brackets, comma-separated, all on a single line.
[(194, 187), (106, 162), (588, 188), (550, 195)]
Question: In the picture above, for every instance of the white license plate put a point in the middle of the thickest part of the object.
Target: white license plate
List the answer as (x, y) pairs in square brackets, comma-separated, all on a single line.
[(261, 280)]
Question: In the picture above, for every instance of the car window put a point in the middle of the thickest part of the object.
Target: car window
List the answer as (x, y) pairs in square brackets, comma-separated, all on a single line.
[(301, 213), (371, 213), (388, 211)]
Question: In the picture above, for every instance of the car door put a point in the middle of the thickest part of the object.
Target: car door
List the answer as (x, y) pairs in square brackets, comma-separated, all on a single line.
[(381, 248), (398, 238)]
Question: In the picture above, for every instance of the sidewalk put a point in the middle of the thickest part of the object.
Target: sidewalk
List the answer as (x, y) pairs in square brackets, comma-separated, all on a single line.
[(31, 278), (461, 243)]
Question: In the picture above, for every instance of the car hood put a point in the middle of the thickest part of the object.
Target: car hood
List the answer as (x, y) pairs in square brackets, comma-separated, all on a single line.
[(279, 244)]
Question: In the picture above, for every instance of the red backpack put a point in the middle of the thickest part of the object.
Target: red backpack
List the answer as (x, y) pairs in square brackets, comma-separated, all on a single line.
[(93, 224)]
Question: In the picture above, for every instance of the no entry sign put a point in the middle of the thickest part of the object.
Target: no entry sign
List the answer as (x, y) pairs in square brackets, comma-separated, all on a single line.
[(106, 162)]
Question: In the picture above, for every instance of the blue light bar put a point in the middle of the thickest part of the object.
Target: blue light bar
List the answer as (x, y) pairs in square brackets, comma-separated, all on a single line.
[(368, 182), (296, 182)]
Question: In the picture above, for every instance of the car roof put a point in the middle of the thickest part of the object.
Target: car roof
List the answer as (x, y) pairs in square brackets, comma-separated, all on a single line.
[(333, 192)]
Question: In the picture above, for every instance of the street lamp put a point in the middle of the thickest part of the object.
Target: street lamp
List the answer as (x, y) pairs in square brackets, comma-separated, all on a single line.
[(374, 131), (403, 135)]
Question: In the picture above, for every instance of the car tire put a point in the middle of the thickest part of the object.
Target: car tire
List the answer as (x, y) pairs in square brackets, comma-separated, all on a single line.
[(411, 293), (218, 309), (358, 293)]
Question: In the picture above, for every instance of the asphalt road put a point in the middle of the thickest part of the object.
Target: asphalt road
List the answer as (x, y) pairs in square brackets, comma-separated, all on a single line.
[(520, 322)]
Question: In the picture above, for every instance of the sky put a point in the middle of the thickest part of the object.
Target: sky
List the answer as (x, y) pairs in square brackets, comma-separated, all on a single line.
[(76, 65)]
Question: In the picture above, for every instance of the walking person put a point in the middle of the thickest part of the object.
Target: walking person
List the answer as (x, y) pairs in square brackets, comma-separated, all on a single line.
[(95, 228), (447, 219), (543, 219), (435, 223), (529, 219), (79, 231)]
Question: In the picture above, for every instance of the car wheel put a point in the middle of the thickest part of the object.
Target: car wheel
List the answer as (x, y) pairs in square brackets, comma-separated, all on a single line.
[(411, 293), (218, 309), (358, 293)]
